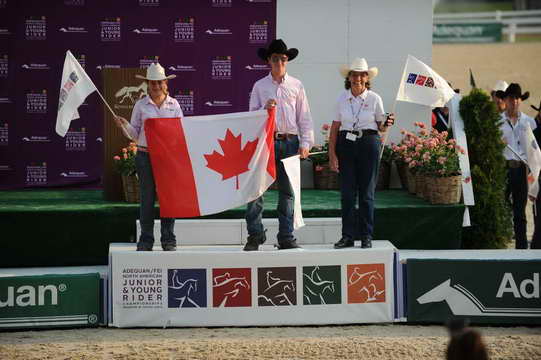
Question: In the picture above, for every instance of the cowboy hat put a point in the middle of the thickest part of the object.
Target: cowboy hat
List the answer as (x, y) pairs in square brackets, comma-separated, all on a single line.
[(155, 72), (537, 109), (514, 90), (277, 46), (358, 64)]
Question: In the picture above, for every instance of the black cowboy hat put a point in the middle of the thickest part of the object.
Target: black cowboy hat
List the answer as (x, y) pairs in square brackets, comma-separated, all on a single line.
[(513, 90), (537, 109), (277, 46)]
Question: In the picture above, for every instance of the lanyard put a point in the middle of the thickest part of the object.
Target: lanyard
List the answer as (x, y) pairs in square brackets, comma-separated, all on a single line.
[(355, 116)]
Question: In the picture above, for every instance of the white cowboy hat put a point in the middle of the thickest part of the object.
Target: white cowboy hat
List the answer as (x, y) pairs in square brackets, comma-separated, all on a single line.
[(358, 64), (500, 85), (155, 72)]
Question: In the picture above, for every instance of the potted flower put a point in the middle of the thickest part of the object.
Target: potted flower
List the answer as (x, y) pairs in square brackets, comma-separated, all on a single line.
[(324, 178), (125, 166)]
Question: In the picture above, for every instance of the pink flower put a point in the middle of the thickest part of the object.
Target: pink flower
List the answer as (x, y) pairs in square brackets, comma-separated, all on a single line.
[(116, 157), (125, 156), (442, 160), (408, 159), (421, 125), (467, 180), (124, 150), (426, 156), (326, 127)]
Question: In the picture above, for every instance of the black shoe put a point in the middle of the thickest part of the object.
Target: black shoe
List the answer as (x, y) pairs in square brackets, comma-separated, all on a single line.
[(287, 244), (344, 243), (366, 242), (144, 246), (169, 247), (253, 241)]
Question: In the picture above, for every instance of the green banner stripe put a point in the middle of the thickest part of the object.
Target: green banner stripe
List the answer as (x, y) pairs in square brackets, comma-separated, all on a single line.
[(45, 318), (25, 324)]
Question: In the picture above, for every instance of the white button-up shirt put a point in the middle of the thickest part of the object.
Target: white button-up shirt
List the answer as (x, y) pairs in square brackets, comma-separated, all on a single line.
[(292, 110), (513, 134), (145, 109), (359, 112)]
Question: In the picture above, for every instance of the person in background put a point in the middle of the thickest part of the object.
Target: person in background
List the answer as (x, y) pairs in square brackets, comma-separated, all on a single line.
[(465, 343), (294, 134), (497, 95), (157, 104), (513, 123), (354, 150), (536, 238)]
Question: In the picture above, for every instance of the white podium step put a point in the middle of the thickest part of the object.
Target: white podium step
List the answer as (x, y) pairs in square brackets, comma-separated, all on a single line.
[(233, 231)]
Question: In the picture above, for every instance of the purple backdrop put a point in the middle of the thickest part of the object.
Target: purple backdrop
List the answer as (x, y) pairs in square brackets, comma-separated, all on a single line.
[(209, 44)]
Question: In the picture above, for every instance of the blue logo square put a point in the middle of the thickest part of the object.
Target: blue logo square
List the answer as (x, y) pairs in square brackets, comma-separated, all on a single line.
[(186, 288)]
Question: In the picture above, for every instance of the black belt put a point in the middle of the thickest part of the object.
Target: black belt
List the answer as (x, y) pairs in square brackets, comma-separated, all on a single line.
[(362, 132), (514, 164), (284, 136)]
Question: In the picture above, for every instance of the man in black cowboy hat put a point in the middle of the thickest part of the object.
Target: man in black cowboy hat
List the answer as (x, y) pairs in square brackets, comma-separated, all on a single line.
[(512, 126), (536, 238), (293, 135)]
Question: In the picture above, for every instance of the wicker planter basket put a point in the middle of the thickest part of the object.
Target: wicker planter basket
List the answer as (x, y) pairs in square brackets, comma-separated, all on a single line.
[(402, 169), (411, 182), (325, 179), (420, 185), (446, 190), (384, 176), (130, 184)]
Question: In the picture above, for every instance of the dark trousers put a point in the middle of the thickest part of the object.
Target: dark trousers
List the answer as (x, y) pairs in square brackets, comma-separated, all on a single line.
[(536, 238), (147, 189), (517, 188), (282, 149), (358, 162)]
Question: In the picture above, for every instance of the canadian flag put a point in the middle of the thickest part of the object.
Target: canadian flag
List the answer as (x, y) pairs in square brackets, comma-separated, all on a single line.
[(207, 164)]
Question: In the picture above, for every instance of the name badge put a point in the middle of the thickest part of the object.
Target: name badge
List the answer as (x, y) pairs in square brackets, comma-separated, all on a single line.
[(351, 136)]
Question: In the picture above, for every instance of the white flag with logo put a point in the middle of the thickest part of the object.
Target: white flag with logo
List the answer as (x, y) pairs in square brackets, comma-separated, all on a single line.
[(422, 85), (533, 158), (292, 166), (74, 88)]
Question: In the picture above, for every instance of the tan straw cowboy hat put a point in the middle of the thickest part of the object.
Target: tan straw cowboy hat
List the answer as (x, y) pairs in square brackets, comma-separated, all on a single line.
[(358, 64), (155, 72)]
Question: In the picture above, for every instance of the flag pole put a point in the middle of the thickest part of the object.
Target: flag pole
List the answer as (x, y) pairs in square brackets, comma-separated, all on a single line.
[(386, 134), (124, 130)]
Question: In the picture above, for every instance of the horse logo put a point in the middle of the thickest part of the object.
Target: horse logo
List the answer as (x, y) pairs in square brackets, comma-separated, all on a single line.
[(187, 288), (231, 287), (277, 287), (129, 92), (318, 288), (462, 302), (366, 283)]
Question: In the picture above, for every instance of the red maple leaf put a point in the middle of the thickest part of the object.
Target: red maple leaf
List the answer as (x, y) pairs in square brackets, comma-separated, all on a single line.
[(235, 160)]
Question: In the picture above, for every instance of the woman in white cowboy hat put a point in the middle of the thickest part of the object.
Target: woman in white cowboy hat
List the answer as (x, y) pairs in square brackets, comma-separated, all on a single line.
[(354, 149), (157, 104)]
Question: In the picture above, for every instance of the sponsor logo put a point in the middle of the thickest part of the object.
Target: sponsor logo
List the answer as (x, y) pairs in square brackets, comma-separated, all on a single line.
[(4, 31), (147, 61), (110, 30), (221, 68), (258, 1), (182, 68), (219, 32), (462, 301), (257, 67), (4, 134), (420, 80), (99, 139), (108, 66), (5, 100), (74, 174), (33, 66), (222, 3), (28, 295), (36, 174), (277, 286), (76, 140), (184, 30), (185, 99), (73, 29), (66, 88), (74, 2), (186, 288), (457, 31), (147, 31), (36, 139), (130, 94), (5, 168), (321, 285), (366, 283), (231, 287), (3, 3), (258, 32), (149, 2), (142, 288), (4, 66), (36, 102), (218, 103), (36, 28)]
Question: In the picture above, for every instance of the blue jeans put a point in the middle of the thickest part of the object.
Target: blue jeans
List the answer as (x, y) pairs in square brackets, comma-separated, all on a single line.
[(282, 149), (147, 189), (358, 162)]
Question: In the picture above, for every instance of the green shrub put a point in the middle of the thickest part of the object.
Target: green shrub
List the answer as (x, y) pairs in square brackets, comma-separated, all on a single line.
[(491, 215)]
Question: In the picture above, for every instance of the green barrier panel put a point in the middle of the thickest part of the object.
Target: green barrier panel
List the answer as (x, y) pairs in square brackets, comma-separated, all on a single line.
[(466, 33)]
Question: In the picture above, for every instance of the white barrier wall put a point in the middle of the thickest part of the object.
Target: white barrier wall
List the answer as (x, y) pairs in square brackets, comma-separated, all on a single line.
[(225, 286)]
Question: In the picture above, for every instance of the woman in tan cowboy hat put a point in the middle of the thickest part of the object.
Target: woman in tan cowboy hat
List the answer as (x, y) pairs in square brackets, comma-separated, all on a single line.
[(354, 148), (157, 104)]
